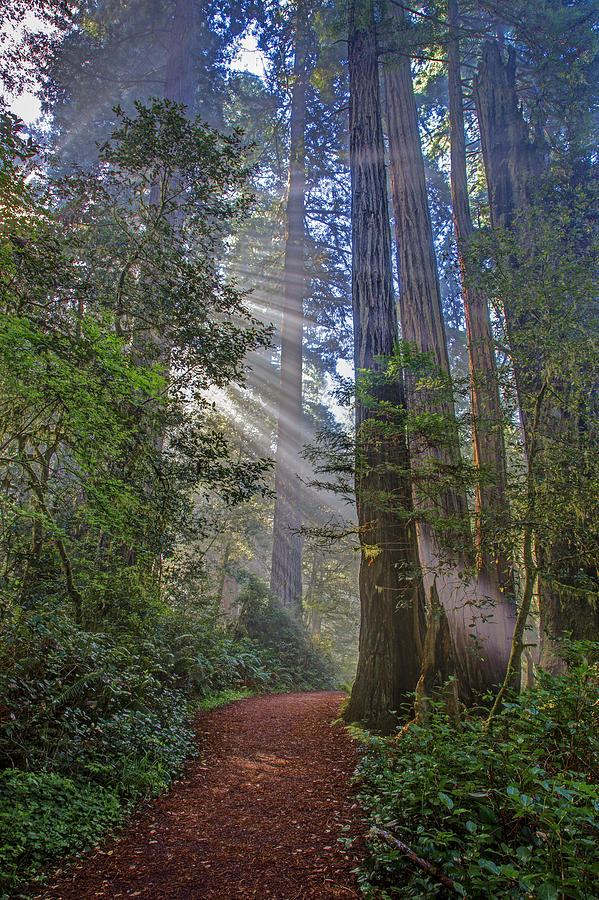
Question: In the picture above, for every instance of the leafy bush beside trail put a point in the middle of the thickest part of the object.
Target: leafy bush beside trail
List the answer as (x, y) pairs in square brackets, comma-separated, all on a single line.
[(287, 648), (43, 815), (510, 813), (92, 722)]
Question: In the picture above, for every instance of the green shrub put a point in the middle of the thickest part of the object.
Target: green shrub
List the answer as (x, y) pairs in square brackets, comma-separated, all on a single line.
[(510, 813), (78, 703), (44, 815), (285, 646), (90, 722)]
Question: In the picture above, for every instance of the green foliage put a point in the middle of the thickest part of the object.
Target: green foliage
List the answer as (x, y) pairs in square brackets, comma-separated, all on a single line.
[(90, 724), (28, 40), (296, 664), (543, 272), (104, 285), (512, 813), (89, 704), (222, 698), (94, 722), (44, 815)]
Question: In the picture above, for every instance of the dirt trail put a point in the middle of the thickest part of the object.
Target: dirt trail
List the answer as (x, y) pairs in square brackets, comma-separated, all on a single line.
[(258, 814)]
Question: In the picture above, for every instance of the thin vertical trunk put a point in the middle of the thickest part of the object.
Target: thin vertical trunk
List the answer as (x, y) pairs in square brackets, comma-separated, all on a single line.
[(286, 571), (391, 593), (530, 566), (513, 164), (314, 616), (479, 640), (179, 81), (223, 572), (488, 444), (179, 84)]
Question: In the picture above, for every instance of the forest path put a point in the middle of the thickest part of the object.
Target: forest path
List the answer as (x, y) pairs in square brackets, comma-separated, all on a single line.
[(257, 815)]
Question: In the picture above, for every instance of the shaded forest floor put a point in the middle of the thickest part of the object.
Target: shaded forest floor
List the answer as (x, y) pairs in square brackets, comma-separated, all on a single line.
[(262, 812)]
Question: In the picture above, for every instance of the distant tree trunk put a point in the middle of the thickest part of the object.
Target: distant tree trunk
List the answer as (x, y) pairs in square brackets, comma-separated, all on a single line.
[(224, 572), (391, 594), (491, 501), (422, 324), (513, 165), (314, 618), (286, 571), (179, 83)]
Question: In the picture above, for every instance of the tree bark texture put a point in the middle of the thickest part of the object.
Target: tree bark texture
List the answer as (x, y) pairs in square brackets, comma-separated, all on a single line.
[(286, 571), (479, 639), (179, 81), (391, 594), (420, 307), (437, 680), (491, 500), (512, 161), (513, 164)]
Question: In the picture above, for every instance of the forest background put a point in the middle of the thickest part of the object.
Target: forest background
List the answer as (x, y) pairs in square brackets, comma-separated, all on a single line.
[(223, 395)]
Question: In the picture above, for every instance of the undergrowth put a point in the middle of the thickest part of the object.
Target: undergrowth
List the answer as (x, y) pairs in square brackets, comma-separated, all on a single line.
[(286, 646), (508, 813), (91, 723), (221, 698)]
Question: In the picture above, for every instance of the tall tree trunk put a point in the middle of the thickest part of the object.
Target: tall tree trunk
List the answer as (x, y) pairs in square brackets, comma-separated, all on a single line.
[(314, 617), (391, 594), (491, 501), (179, 83), (513, 164), (286, 571), (224, 572), (479, 641)]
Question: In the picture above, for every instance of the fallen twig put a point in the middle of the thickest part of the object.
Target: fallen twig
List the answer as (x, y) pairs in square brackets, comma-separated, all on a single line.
[(422, 863), (343, 887)]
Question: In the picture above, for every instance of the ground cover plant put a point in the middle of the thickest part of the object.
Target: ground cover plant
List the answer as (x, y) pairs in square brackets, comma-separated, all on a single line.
[(510, 810), (95, 722)]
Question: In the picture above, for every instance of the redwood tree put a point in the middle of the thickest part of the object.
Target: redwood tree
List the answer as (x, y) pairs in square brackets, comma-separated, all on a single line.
[(391, 594), (444, 532), (286, 571), (491, 502), (515, 165)]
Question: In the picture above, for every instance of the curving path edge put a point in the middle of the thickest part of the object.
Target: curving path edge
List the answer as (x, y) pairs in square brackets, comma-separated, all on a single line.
[(266, 811)]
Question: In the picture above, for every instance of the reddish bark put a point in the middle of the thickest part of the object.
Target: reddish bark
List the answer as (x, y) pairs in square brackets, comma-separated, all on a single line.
[(488, 446), (487, 422), (444, 538), (391, 595)]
